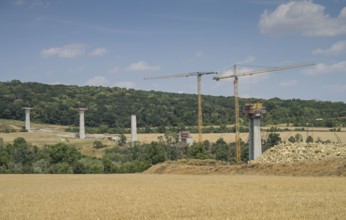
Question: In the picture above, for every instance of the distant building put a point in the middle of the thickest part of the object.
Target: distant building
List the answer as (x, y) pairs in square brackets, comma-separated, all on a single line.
[(185, 137)]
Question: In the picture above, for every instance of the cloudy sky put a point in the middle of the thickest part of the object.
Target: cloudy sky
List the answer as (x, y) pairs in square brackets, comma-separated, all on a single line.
[(118, 43)]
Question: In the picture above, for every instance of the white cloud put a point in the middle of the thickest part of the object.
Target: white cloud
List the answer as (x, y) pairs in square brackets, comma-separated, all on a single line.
[(115, 69), (322, 68), (97, 81), (288, 83), (67, 51), (98, 52), (335, 49), (302, 17), (142, 66), (125, 84)]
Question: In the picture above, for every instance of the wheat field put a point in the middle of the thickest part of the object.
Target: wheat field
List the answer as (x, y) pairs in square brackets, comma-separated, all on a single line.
[(143, 196)]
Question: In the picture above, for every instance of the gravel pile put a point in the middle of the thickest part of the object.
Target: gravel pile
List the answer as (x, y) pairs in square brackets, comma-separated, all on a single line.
[(289, 153)]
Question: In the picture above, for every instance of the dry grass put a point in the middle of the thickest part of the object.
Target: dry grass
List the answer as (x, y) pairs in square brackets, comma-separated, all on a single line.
[(55, 133), (328, 167), (140, 196)]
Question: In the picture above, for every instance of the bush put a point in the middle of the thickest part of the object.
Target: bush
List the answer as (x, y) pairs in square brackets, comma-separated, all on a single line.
[(221, 150), (89, 165), (61, 168), (309, 139), (155, 153), (131, 167), (198, 151), (98, 144)]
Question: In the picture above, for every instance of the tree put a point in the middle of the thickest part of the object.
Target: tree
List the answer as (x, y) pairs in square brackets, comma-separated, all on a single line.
[(63, 153), (122, 140), (273, 139), (98, 144), (292, 139), (197, 151), (221, 150), (155, 153), (309, 139), (88, 165), (298, 137)]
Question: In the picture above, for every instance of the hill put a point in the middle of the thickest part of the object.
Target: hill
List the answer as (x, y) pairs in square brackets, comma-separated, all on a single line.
[(109, 109)]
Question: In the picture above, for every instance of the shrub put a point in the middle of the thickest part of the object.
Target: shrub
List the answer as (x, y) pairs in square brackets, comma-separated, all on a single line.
[(98, 144), (89, 165)]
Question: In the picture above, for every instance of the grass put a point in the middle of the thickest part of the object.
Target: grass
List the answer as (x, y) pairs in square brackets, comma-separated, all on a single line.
[(335, 166), (140, 196)]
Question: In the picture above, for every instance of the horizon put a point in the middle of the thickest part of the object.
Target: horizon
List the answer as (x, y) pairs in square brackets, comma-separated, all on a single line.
[(173, 92)]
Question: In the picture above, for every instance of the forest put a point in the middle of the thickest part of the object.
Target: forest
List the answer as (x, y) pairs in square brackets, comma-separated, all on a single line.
[(109, 109)]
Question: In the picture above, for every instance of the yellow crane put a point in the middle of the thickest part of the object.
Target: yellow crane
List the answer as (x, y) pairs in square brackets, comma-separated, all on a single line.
[(235, 75), (199, 89)]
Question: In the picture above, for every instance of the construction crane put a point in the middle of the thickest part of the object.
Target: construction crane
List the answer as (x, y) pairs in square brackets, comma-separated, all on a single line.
[(199, 85), (235, 75)]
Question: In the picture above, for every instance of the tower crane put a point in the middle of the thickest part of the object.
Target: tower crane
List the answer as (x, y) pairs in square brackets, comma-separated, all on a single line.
[(235, 75), (199, 85)]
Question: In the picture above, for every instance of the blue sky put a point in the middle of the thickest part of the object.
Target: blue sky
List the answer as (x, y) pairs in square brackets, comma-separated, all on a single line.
[(118, 43)]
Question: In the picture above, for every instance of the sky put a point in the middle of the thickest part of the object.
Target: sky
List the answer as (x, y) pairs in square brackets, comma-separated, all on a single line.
[(116, 43)]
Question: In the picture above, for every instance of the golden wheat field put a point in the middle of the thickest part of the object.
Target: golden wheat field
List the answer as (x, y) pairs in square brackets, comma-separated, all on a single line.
[(143, 196)]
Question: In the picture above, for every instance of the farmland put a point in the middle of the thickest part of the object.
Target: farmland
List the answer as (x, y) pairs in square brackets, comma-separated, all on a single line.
[(144, 196)]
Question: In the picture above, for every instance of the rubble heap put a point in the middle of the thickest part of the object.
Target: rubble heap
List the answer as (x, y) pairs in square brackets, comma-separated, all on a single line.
[(289, 153)]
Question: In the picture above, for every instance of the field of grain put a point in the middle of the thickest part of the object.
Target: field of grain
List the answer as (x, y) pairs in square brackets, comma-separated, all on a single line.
[(144, 196)]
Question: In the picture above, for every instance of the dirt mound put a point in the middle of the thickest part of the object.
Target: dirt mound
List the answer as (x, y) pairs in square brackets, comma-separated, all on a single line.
[(326, 167), (290, 153)]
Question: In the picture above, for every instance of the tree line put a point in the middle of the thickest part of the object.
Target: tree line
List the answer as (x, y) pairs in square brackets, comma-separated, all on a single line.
[(23, 157), (109, 109)]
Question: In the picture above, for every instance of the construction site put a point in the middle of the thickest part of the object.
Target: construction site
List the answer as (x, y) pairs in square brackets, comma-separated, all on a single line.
[(253, 112)]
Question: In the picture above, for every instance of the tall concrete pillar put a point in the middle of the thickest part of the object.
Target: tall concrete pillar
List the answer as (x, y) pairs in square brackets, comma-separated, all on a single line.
[(133, 128), (81, 123), (254, 112), (27, 118), (255, 144)]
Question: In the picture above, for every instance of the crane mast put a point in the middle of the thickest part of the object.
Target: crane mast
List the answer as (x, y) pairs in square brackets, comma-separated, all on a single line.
[(236, 114), (236, 99), (199, 92)]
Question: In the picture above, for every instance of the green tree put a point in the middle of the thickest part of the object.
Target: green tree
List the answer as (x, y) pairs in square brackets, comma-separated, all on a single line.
[(89, 165), (98, 144), (309, 139), (221, 150), (298, 137), (292, 139), (155, 153), (273, 139), (63, 153), (122, 140), (198, 151)]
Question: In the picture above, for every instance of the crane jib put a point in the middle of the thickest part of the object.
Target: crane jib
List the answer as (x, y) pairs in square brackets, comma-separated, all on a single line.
[(181, 75)]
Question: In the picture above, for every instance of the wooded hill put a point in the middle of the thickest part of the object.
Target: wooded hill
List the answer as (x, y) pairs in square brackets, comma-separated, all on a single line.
[(112, 107)]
